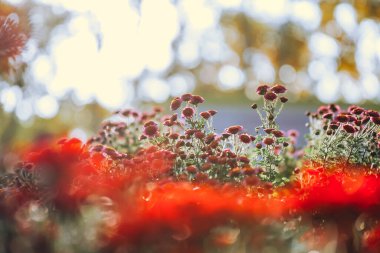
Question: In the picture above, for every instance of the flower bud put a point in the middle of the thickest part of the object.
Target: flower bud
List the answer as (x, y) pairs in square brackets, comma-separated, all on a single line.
[(188, 112), (212, 112), (234, 129), (268, 141), (349, 129), (186, 97), (195, 100), (270, 96), (245, 138), (175, 104), (205, 115), (262, 89), (278, 89), (283, 100)]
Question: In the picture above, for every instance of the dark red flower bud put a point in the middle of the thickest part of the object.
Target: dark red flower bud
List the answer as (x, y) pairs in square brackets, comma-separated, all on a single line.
[(196, 100), (365, 120), (150, 123), (206, 166), (349, 129), (234, 129), (262, 89), (174, 117), (205, 115), (259, 145), (342, 118), (214, 144), (372, 113), (234, 172), (376, 120), (270, 96), (283, 99), (226, 135), (268, 130), (358, 111), (334, 107), (278, 89), (151, 130), (191, 169), (323, 109), (212, 112), (179, 144), (209, 138), (243, 159), (213, 159), (199, 135), (334, 126), (278, 133), (186, 97), (268, 141), (188, 112), (168, 123), (175, 104), (174, 136), (328, 115), (245, 138)]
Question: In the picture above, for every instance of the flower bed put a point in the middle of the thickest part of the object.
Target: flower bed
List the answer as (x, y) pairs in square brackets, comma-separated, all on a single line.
[(148, 183)]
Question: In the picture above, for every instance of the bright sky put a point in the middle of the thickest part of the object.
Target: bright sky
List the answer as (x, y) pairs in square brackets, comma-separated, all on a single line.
[(105, 47)]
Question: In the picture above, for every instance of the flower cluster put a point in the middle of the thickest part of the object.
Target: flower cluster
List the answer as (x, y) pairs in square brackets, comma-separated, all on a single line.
[(351, 135), (148, 183), (127, 129), (233, 155)]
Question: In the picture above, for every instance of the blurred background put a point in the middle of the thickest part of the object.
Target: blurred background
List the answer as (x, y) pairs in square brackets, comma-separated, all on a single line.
[(84, 59)]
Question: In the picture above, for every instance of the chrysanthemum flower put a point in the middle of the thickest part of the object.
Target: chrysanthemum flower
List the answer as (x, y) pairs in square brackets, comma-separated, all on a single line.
[(188, 112), (278, 89)]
